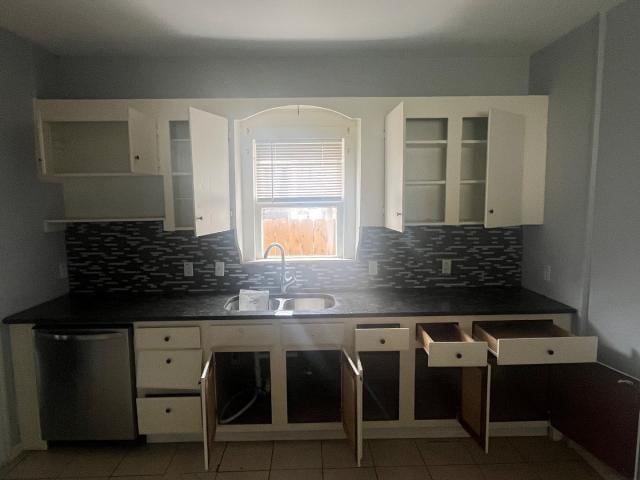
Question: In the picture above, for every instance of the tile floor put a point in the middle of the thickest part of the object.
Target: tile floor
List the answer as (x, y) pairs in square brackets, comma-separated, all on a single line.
[(523, 458)]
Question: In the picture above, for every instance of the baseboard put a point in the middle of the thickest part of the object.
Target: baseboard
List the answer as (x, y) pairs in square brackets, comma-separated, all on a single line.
[(606, 472), (519, 429)]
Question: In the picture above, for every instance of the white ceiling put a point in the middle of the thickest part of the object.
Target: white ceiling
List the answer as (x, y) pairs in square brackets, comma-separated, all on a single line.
[(193, 27)]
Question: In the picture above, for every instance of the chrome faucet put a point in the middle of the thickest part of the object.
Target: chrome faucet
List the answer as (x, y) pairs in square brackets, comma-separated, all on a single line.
[(286, 279)]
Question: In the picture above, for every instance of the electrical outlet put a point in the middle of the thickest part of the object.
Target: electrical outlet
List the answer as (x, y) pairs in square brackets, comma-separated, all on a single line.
[(188, 269), (446, 266), (62, 271), (546, 273), (219, 272), (373, 267)]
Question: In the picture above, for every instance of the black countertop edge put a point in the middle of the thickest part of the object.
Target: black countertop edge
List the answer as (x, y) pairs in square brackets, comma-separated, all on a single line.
[(126, 309)]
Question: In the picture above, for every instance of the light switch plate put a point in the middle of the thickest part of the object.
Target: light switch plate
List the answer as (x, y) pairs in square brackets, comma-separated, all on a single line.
[(373, 267), (446, 266), (188, 269), (219, 271)]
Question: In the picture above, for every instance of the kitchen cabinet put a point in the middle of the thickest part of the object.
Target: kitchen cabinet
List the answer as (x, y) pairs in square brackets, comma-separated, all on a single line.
[(467, 160)]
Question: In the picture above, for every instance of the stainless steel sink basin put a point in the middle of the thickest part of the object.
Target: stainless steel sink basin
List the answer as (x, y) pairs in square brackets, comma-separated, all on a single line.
[(307, 302)]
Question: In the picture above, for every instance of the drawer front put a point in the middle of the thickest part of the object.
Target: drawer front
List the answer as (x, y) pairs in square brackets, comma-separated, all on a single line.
[(169, 369), (241, 335), (381, 339), (530, 351), (167, 337), (457, 354), (322, 334), (169, 415)]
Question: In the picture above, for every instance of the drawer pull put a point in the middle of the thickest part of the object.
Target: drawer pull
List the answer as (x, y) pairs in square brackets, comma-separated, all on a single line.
[(550, 352), (382, 341), (167, 361), (623, 381), (167, 410), (458, 355), (167, 338)]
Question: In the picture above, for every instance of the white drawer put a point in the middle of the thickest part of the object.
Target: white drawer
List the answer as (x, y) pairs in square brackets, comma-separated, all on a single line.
[(382, 339), (448, 346), (316, 334), (158, 415), (168, 369), (530, 342), (241, 335), (149, 338)]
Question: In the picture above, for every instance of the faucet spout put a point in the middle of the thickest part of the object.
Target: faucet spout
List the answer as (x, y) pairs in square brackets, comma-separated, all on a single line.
[(286, 279)]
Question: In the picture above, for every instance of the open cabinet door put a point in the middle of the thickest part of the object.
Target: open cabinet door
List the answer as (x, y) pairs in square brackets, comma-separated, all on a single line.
[(143, 143), (352, 402), (505, 162), (210, 159), (209, 416), (393, 169), (474, 404), (598, 408)]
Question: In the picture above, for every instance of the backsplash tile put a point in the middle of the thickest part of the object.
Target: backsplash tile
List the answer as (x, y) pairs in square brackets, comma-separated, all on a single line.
[(140, 257)]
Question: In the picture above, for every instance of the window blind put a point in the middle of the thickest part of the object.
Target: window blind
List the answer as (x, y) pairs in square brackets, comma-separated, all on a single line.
[(299, 170)]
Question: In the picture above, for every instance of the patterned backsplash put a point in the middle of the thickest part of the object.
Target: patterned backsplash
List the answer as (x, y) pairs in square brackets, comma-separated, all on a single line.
[(140, 257)]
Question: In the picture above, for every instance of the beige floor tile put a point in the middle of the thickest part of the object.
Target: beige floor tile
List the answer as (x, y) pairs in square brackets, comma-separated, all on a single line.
[(338, 454), (350, 474), (264, 475), (395, 453), (449, 452), (456, 472), (509, 471), (305, 474), (566, 470), (46, 464), (403, 473), (501, 450), (189, 458), (296, 455), (242, 456), (150, 459), (541, 449), (94, 462)]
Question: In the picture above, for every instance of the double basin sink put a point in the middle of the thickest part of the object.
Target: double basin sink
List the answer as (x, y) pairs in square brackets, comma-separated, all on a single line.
[(289, 303)]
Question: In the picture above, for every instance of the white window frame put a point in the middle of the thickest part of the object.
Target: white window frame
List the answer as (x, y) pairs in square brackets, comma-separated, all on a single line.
[(251, 217)]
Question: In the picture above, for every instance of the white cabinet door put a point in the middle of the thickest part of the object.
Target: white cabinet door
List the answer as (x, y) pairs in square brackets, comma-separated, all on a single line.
[(352, 381), (143, 143), (209, 416), (393, 164), (210, 158), (505, 160)]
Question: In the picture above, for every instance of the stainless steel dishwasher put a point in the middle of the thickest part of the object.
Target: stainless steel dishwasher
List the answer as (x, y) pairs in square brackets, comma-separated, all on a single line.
[(85, 383)]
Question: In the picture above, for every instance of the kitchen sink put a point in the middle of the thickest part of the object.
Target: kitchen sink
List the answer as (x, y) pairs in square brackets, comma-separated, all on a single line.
[(308, 302)]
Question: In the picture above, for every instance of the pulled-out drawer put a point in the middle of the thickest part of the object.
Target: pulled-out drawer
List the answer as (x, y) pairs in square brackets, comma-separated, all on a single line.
[(150, 338), (162, 415), (377, 339), (448, 346), (168, 369), (241, 335), (316, 334), (528, 342)]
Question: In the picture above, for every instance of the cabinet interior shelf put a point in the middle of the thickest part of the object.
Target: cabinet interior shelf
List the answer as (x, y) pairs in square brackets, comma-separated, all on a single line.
[(58, 224), (180, 139), (426, 142), (473, 182), (425, 182), (472, 142), (182, 174)]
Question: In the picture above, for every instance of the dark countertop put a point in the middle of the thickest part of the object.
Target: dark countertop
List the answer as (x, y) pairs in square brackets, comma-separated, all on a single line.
[(118, 309)]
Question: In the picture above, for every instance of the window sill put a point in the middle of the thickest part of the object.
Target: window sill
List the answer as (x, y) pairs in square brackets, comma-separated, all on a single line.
[(302, 260)]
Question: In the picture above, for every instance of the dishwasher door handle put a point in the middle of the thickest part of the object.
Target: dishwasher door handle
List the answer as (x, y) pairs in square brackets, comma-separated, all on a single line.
[(81, 337)]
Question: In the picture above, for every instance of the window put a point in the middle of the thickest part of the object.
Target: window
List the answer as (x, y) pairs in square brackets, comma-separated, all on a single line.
[(299, 191), (298, 183)]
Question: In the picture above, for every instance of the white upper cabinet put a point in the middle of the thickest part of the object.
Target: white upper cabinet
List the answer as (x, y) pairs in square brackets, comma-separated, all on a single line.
[(465, 160), (210, 163), (75, 142)]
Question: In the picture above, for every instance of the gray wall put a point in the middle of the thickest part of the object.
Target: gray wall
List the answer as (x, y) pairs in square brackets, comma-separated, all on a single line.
[(319, 76), (614, 308), (29, 257), (565, 71)]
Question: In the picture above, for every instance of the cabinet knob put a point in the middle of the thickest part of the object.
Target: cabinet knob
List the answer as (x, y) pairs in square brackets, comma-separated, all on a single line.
[(382, 341), (137, 157), (458, 355), (167, 410), (491, 211), (167, 361), (167, 338), (200, 218), (398, 214), (550, 352)]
